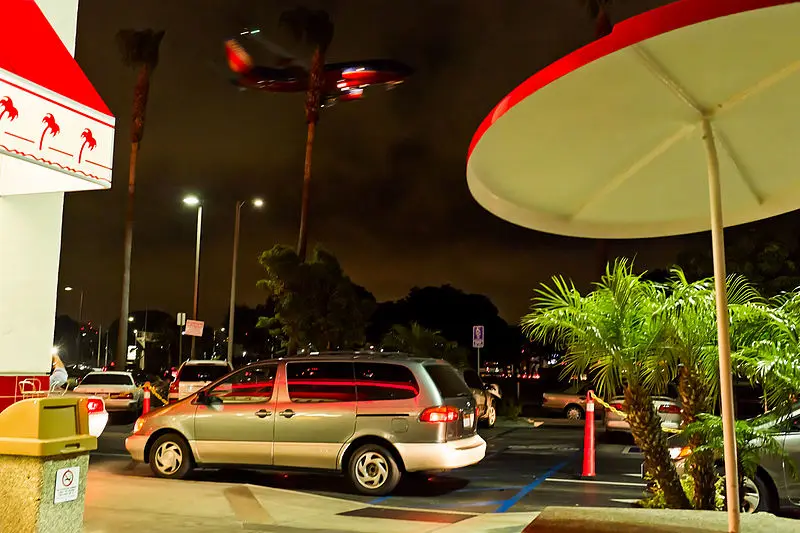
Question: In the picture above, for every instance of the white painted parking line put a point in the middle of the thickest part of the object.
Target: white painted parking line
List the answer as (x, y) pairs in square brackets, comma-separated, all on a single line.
[(103, 454), (635, 474), (597, 482), (624, 500)]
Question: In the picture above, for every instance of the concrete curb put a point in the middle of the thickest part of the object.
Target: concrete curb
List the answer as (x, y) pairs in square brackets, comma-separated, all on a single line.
[(612, 520)]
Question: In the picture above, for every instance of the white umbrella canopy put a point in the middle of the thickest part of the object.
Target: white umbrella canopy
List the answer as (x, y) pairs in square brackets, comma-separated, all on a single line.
[(682, 118), (607, 142)]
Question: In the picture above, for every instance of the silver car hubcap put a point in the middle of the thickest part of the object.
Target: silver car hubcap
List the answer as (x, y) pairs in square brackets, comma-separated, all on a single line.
[(372, 470), (751, 496), (574, 414), (169, 458), (492, 415)]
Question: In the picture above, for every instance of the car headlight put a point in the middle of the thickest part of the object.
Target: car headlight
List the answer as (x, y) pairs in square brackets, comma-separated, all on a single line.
[(680, 453), (138, 425)]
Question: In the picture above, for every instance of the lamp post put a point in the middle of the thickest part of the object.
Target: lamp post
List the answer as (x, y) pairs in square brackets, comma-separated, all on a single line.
[(80, 306), (257, 203), (195, 201), (80, 321)]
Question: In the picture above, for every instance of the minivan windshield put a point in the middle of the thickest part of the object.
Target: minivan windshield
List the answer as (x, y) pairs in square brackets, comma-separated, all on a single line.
[(202, 372), (448, 381)]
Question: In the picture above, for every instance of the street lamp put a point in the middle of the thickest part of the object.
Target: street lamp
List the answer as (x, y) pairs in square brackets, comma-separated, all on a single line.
[(257, 203), (80, 306), (195, 201)]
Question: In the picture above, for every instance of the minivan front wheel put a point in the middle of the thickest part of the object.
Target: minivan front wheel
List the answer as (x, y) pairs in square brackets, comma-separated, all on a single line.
[(170, 457), (373, 470)]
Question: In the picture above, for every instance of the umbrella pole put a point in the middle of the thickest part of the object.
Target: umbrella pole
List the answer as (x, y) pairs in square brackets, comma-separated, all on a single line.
[(723, 335)]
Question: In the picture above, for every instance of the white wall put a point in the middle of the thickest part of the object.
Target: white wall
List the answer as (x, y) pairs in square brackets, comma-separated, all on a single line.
[(30, 249)]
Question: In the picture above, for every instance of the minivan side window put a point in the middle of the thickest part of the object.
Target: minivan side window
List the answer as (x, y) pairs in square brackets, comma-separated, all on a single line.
[(321, 381), (384, 381), (248, 385)]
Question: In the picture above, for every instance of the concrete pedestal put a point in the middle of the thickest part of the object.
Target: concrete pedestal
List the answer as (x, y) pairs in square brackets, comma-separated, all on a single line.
[(27, 494)]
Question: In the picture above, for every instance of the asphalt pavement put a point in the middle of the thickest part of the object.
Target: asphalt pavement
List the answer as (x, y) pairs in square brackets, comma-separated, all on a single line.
[(525, 469)]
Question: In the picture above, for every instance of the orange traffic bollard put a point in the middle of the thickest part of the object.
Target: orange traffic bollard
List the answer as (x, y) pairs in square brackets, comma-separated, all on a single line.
[(146, 400), (588, 438)]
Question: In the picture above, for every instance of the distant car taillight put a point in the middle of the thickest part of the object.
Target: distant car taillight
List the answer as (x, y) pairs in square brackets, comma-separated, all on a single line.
[(95, 405), (439, 414), (618, 406), (122, 395), (670, 409)]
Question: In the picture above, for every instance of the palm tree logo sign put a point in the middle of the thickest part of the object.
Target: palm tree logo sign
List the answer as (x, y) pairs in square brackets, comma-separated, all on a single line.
[(88, 141), (50, 125), (7, 105)]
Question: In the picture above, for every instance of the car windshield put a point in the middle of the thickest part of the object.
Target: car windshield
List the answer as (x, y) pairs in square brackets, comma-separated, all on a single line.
[(202, 372), (448, 381), (107, 379)]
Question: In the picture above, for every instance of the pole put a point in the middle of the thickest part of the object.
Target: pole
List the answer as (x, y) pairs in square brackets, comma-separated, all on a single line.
[(80, 309), (99, 340), (588, 438), (479, 361), (197, 271), (232, 308), (723, 335)]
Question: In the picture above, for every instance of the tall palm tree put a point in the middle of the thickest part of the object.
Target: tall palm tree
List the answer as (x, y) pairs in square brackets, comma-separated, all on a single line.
[(616, 335), (139, 49), (691, 318), (313, 27)]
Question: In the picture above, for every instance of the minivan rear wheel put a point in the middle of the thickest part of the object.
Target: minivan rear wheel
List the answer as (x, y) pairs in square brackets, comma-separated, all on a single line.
[(373, 470), (170, 457)]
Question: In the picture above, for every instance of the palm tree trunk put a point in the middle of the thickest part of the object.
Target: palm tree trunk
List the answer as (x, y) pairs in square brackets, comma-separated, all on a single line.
[(122, 335), (302, 239), (602, 24), (646, 429), (694, 393), (313, 101), (140, 94)]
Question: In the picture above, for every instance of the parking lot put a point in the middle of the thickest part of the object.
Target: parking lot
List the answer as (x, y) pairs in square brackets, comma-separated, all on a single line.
[(525, 469)]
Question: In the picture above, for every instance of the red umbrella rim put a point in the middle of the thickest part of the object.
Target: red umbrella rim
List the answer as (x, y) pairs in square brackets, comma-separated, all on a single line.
[(629, 32)]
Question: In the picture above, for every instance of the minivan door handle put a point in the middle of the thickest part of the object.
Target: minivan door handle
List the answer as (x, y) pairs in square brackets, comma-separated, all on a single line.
[(288, 413), (263, 413)]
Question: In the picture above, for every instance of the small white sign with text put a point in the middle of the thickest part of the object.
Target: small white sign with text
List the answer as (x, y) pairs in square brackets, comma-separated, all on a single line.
[(67, 483)]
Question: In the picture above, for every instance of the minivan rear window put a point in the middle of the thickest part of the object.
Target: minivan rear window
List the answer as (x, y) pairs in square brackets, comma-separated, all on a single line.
[(202, 372), (448, 381)]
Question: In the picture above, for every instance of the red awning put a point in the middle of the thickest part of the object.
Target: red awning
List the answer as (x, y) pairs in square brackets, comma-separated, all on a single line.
[(31, 49)]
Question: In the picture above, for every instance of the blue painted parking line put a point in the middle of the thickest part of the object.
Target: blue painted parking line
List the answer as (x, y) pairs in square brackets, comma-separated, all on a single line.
[(509, 503), (380, 500), (488, 489)]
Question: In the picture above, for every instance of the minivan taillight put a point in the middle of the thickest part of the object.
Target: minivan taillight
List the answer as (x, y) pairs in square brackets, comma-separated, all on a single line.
[(173, 387), (670, 409), (95, 405), (439, 414)]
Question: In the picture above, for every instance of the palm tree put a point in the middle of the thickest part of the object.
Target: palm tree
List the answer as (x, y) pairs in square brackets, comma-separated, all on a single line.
[(316, 29), (88, 142), (616, 334), (50, 125), (690, 314), (422, 342), (139, 50)]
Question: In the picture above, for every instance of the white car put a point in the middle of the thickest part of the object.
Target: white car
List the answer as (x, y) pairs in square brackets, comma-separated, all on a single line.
[(117, 389), (667, 408), (195, 374)]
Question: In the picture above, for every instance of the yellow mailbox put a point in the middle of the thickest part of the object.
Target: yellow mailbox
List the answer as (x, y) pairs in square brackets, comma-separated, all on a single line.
[(41, 427)]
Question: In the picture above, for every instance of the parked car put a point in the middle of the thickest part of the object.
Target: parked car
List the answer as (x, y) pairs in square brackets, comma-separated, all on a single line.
[(487, 396), (774, 486), (117, 389), (668, 409), (570, 402), (98, 416), (373, 417), (195, 374)]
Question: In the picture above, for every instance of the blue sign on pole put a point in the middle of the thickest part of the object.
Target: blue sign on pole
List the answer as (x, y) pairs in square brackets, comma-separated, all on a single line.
[(477, 336)]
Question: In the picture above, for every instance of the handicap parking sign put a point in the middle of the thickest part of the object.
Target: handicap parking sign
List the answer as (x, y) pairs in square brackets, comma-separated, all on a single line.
[(477, 336)]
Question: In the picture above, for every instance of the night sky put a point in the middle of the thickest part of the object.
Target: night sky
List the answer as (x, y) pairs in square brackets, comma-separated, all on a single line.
[(389, 192)]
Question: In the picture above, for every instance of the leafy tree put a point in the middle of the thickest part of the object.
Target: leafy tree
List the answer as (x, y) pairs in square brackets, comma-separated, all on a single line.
[(312, 27), (316, 304), (753, 441), (615, 334), (423, 342), (139, 49), (767, 253), (690, 315)]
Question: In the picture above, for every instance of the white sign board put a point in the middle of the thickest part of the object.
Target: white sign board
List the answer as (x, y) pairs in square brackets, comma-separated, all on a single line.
[(67, 483), (477, 336), (181, 319), (194, 328)]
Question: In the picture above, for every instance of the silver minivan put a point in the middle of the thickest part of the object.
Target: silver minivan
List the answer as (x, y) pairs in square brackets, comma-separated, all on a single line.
[(371, 416)]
